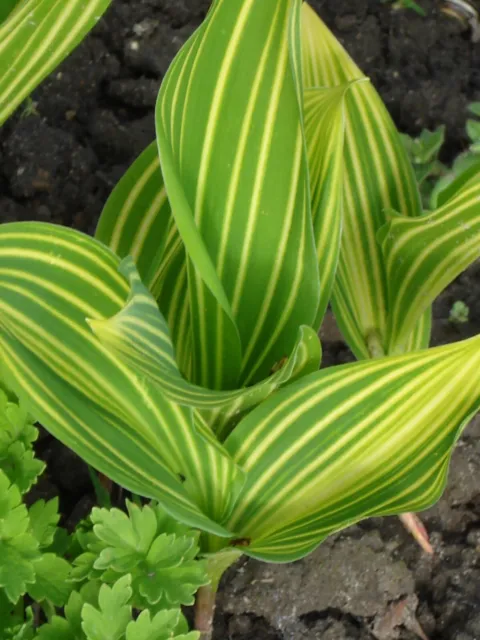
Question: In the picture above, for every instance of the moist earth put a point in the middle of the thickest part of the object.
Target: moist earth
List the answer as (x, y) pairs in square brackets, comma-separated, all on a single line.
[(60, 156)]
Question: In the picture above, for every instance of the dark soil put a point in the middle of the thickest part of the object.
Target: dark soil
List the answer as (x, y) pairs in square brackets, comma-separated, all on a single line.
[(93, 116)]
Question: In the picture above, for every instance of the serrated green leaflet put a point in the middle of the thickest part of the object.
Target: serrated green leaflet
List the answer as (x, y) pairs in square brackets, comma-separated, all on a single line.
[(60, 278), (377, 174), (359, 440), (424, 255), (35, 38), (239, 201)]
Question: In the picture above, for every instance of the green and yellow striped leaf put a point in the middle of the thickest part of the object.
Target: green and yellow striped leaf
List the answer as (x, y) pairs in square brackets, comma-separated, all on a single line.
[(138, 334), (51, 280), (368, 438), (137, 218), (424, 255), (324, 126), (233, 159), (137, 222), (377, 176), (35, 38)]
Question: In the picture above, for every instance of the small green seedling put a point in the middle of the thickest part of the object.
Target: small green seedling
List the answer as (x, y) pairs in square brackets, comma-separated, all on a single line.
[(459, 313), (29, 108), (423, 153), (408, 4), (466, 163)]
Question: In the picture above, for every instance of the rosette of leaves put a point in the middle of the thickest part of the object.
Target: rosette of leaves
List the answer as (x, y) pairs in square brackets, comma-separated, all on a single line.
[(157, 552), (178, 353)]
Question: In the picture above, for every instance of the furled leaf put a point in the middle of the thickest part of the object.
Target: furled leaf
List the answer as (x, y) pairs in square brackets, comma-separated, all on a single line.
[(424, 255), (161, 627), (363, 439), (51, 580), (52, 279), (35, 38), (377, 175), (140, 336), (110, 620), (240, 201), (18, 548), (324, 133)]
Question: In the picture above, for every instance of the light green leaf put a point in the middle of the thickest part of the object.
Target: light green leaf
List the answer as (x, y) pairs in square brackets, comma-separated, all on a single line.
[(171, 574), (424, 255), (425, 148), (57, 629), (240, 201), (51, 580), (377, 176), (127, 538), (163, 566), (35, 38), (51, 280), (473, 130), (363, 439), (110, 620), (44, 518), (474, 107), (18, 548), (160, 627)]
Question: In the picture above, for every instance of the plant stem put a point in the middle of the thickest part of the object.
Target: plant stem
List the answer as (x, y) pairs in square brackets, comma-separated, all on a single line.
[(374, 344), (205, 611), (205, 600)]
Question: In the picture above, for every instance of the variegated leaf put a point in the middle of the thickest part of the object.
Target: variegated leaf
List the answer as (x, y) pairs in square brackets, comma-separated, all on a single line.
[(424, 255), (137, 218), (35, 38), (324, 118), (363, 439), (240, 199), (137, 222), (51, 280), (377, 177)]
